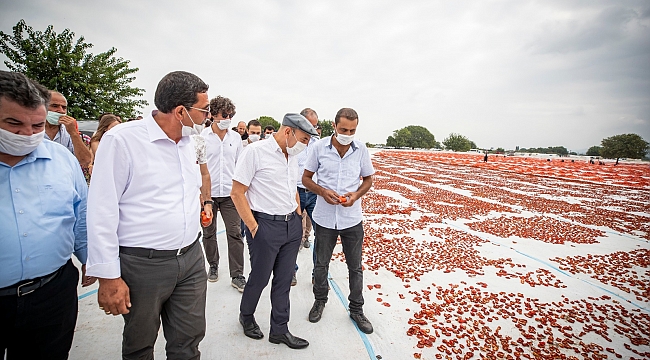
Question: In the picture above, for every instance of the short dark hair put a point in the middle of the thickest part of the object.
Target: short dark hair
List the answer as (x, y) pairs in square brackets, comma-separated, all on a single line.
[(22, 90), (178, 88), (254, 122), (221, 105), (269, 127), (347, 113)]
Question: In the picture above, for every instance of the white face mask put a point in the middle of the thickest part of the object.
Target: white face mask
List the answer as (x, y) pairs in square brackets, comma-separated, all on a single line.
[(19, 145), (344, 139), (254, 137), (53, 117), (196, 129), (297, 148), (223, 124)]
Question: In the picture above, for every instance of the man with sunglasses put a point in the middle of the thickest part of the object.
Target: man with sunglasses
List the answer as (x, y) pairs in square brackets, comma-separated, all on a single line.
[(223, 147), (143, 219)]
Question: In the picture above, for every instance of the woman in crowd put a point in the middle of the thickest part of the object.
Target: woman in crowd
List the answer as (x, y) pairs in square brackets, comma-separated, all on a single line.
[(106, 122)]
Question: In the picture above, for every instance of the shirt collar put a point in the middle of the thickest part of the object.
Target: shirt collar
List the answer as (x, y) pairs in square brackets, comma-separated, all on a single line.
[(352, 144), (41, 152), (153, 129)]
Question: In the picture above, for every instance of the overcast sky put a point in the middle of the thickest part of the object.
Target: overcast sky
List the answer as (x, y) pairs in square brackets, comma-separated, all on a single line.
[(502, 73)]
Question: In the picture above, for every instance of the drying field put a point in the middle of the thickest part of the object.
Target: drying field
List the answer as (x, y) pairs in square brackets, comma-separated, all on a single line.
[(510, 259)]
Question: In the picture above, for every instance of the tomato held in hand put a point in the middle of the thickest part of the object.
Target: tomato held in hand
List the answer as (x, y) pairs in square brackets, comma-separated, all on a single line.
[(205, 220)]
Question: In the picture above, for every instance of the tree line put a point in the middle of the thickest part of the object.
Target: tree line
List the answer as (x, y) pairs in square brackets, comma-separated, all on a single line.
[(615, 147)]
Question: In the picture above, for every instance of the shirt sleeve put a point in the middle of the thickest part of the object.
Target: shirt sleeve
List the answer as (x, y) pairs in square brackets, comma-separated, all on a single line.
[(201, 150), (311, 163), (80, 207), (366, 163), (246, 166), (240, 148), (110, 178)]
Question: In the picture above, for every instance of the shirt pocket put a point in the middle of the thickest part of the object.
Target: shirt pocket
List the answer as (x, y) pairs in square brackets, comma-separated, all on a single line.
[(56, 199)]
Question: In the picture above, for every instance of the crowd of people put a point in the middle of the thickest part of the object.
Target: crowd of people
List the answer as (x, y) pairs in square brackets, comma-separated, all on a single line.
[(156, 185)]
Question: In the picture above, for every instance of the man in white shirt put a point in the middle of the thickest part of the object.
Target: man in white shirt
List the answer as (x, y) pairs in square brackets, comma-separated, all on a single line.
[(264, 192), (254, 132), (223, 147), (143, 223), (339, 161)]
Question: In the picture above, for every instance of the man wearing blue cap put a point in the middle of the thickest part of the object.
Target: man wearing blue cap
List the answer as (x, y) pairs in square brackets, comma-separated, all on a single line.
[(264, 192)]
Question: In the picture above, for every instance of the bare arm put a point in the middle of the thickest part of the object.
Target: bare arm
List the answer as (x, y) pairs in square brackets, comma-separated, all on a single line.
[(237, 194), (298, 209), (206, 189), (81, 151)]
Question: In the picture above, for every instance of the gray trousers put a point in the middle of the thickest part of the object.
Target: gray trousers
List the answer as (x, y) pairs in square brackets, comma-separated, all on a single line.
[(233, 231), (273, 250), (169, 288)]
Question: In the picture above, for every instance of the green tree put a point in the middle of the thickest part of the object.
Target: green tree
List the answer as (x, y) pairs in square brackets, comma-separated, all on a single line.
[(560, 150), (457, 142), (327, 127), (624, 146), (594, 151), (267, 120), (93, 84), (473, 145), (413, 136)]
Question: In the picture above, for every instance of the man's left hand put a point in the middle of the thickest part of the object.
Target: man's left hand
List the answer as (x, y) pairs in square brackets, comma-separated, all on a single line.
[(69, 123), (208, 212), (351, 198), (86, 280)]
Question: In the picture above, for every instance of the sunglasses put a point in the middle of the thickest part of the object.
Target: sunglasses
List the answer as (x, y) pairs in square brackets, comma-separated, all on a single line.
[(205, 112), (228, 116)]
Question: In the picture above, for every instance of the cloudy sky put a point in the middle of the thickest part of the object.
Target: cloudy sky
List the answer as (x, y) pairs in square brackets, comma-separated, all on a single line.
[(502, 73)]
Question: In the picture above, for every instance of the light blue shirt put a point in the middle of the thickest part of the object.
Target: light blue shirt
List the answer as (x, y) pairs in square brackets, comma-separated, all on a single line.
[(62, 137), (42, 213), (341, 174), (302, 159)]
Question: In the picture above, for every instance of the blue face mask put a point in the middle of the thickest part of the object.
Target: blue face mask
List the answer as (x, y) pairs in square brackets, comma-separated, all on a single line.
[(53, 117)]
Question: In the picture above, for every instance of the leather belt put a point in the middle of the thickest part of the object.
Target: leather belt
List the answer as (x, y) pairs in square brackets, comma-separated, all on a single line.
[(303, 190), (153, 253), (30, 286), (287, 217)]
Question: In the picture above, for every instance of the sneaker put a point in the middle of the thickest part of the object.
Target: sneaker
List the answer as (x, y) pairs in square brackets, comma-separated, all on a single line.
[(362, 322), (239, 283), (294, 280), (316, 311), (213, 276)]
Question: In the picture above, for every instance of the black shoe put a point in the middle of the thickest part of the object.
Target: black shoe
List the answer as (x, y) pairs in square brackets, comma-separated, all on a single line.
[(293, 342), (316, 311), (362, 322), (251, 329)]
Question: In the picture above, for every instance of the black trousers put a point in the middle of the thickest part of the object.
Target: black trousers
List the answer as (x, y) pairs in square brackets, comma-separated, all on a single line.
[(352, 242), (274, 249), (40, 325)]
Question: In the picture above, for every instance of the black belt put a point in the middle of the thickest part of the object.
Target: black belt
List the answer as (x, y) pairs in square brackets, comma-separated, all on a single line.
[(303, 190), (153, 253), (30, 286), (275, 217)]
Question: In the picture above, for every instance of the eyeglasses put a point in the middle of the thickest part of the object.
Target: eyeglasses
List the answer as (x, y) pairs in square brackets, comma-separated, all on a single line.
[(206, 111), (317, 127)]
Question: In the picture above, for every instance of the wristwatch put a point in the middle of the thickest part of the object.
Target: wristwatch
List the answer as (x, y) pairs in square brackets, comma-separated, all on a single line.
[(208, 202)]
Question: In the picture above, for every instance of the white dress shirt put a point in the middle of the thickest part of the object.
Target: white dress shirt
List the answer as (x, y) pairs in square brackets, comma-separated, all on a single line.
[(270, 177), (144, 193), (222, 157), (341, 175)]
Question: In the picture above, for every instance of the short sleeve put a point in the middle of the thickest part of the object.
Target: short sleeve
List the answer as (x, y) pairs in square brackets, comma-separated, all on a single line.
[(311, 164), (246, 166), (200, 148), (366, 163)]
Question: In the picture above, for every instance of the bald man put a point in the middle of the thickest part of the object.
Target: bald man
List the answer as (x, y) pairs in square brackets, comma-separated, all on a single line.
[(62, 129)]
